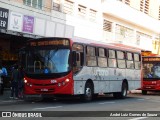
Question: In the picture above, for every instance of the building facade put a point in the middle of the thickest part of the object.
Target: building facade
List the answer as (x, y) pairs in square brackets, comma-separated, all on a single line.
[(131, 22)]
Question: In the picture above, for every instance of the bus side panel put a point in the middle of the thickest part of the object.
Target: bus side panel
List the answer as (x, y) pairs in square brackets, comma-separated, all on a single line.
[(137, 75), (80, 79), (134, 79), (79, 87), (130, 78), (106, 80), (116, 77)]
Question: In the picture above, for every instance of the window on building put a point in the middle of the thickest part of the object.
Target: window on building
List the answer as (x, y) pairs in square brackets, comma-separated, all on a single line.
[(56, 5), (107, 25), (81, 11), (92, 15), (140, 34), (144, 6), (155, 44), (124, 31), (34, 3), (125, 1), (68, 7)]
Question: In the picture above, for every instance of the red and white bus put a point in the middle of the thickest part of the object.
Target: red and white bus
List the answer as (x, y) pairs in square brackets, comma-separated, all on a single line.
[(62, 66), (151, 73)]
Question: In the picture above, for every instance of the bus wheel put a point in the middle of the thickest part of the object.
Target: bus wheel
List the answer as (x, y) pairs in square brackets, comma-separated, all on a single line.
[(123, 93), (144, 92), (88, 93)]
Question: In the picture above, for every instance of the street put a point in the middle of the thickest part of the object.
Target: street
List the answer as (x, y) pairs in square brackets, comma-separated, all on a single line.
[(135, 102)]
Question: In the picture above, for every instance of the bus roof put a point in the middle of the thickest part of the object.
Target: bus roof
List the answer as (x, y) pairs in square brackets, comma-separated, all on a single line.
[(149, 54), (108, 45)]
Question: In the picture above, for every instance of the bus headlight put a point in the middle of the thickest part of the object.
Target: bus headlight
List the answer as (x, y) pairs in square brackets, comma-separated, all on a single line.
[(67, 80), (63, 83), (25, 81)]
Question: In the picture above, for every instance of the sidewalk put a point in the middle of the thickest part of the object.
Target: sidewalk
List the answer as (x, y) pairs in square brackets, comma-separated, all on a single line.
[(135, 91), (6, 94)]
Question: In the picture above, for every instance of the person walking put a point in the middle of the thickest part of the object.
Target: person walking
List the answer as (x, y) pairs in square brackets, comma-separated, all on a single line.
[(14, 82), (1, 82), (20, 82), (3, 77)]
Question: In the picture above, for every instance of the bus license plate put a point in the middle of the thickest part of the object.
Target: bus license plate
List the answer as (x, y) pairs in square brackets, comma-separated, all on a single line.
[(44, 89)]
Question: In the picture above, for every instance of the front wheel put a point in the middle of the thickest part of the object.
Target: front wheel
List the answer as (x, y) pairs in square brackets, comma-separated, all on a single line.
[(88, 93)]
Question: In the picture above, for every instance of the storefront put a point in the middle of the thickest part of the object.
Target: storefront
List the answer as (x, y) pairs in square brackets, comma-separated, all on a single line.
[(12, 38)]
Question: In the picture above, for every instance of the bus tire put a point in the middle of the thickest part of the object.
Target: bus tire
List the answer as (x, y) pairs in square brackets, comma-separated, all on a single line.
[(123, 93), (88, 92), (144, 92)]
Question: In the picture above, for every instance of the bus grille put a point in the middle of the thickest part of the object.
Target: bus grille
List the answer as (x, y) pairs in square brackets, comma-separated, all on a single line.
[(43, 84)]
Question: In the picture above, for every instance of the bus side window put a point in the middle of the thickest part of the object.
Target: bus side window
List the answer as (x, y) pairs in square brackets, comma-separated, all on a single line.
[(130, 64), (121, 59), (112, 62), (137, 60), (102, 59), (91, 59)]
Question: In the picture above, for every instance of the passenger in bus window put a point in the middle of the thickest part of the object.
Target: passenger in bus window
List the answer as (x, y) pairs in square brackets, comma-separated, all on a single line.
[(156, 71), (46, 70)]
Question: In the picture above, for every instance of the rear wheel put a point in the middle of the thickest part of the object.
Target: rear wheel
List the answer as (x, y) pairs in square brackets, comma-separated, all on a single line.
[(123, 93), (144, 92)]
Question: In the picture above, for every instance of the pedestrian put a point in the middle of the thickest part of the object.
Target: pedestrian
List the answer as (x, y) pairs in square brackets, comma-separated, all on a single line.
[(3, 77), (14, 82), (20, 82), (1, 82)]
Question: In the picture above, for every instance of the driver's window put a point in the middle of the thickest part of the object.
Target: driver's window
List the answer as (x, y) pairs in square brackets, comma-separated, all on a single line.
[(78, 57)]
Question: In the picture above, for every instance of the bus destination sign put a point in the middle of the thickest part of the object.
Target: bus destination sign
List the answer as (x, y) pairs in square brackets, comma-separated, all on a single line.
[(151, 59), (49, 42)]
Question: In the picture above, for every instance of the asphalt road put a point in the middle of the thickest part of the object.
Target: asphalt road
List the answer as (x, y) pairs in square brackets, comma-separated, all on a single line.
[(134, 107)]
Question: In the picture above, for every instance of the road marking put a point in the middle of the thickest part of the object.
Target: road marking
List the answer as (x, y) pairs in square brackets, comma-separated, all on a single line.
[(140, 99), (7, 101), (154, 100), (138, 118), (12, 101), (46, 108), (106, 103)]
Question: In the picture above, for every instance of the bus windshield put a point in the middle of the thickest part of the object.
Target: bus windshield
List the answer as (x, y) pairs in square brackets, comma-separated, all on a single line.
[(151, 70), (47, 61)]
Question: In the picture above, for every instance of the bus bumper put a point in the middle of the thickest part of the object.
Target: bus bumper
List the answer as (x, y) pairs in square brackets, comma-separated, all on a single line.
[(38, 96)]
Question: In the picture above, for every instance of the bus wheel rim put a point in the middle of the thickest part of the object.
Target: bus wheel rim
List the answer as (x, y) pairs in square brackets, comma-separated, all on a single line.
[(124, 92), (88, 92)]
